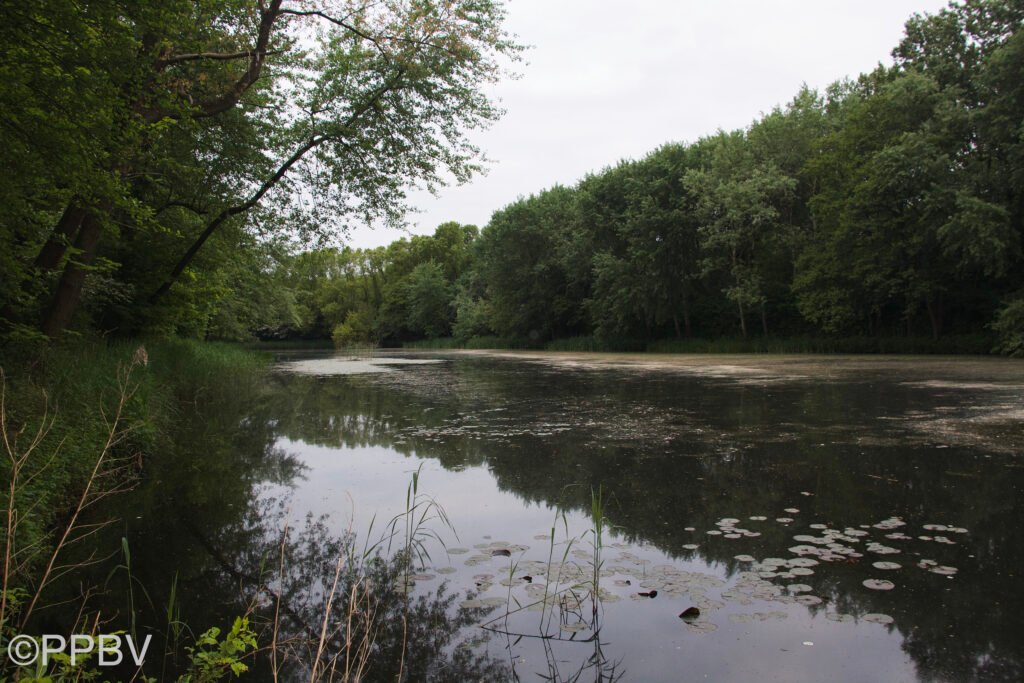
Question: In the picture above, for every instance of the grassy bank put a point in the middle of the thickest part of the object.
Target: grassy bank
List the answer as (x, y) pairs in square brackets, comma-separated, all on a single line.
[(954, 344), (79, 423)]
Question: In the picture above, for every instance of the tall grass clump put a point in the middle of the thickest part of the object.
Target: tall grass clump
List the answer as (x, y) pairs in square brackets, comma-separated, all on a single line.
[(79, 422)]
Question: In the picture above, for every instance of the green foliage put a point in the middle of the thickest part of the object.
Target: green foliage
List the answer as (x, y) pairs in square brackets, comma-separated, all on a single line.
[(156, 154), (213, 657), (526, 257), (427, 300), (354, 331), (62, 398), (1009, 325), (472, 317), (885, 206)]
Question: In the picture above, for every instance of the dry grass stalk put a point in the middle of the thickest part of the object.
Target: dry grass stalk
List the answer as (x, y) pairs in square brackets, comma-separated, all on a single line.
[(106, 478)]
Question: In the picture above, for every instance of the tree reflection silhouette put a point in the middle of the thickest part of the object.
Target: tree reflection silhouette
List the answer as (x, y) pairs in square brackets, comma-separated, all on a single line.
[(677, 451)]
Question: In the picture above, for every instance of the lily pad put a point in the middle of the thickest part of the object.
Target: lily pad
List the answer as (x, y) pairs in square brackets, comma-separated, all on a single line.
[(701, 626), (803, 562), (879, 584), (886, 565), (494, 602), (875, 618), (809, 600), (944, 571)]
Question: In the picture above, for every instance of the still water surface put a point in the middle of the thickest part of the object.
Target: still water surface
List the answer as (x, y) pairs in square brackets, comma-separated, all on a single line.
[(841, 519)]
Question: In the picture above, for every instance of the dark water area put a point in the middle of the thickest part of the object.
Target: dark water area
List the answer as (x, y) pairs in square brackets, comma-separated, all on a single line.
[(834, 519)]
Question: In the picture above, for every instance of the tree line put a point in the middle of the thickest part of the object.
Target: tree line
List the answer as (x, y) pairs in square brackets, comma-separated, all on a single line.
[(889, 205), (886, 205)]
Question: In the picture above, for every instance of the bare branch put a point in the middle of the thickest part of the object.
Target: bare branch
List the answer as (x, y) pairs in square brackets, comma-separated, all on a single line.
[(252, 73), (217, 56)]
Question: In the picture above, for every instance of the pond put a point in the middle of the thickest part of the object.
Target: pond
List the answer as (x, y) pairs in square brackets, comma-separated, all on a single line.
[(621, 517)]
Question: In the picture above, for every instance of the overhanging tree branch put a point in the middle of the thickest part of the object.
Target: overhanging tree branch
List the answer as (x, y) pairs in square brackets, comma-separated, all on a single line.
[(282, 170), (258, 55), (223, 56), (231, 211)]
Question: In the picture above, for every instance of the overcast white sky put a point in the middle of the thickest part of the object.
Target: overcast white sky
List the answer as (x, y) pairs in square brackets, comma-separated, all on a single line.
[(605, 81)]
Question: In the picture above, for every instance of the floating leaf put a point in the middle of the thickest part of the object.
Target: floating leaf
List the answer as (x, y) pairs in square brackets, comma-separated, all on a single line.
[(886, 565), (809, 600), (879, 584), (875, 618), (943, 570), (701, 626)]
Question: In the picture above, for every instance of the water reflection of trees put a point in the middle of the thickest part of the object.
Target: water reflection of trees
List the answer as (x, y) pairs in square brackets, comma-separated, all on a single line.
[(674, 452), (200, 527), (309, 577)]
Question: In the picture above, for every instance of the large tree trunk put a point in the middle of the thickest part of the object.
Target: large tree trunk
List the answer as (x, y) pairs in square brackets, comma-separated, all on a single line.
[(764, 320), (675, 323), (53, 251), (743, 320), (69, 289)]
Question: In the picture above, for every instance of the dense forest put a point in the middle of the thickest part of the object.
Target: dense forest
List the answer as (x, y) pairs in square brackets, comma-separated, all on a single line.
[(161, 156), (174, 194)]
